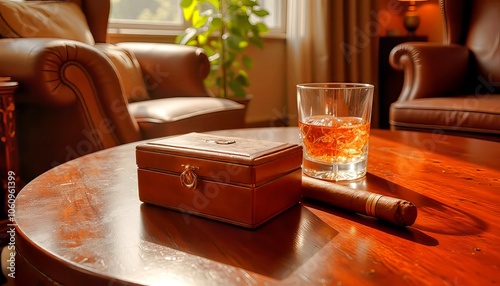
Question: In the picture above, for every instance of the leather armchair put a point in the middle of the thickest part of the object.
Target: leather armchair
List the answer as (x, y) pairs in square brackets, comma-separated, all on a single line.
[(454, 86), (78, 94)]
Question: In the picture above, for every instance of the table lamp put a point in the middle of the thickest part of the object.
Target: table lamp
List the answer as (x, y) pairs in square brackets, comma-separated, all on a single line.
[(411, 19)]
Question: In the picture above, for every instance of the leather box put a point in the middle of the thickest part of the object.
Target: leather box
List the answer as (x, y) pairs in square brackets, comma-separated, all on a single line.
[(244, 182)]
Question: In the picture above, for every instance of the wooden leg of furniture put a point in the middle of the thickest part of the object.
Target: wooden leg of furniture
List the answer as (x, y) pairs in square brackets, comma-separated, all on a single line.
[(9, 166)]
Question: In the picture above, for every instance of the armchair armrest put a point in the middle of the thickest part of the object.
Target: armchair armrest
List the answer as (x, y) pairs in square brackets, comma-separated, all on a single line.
[(52, 70), (430, 69), (171, 70), (58, 73)]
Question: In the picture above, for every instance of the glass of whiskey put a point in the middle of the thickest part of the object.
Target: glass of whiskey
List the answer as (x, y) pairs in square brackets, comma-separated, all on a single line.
[(334, 124)]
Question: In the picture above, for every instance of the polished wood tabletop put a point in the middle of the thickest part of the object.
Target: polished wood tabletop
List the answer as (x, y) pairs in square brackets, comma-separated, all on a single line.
[(82, 223)]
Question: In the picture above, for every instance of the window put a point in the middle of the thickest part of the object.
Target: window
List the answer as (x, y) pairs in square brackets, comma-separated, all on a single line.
[(165, 16)]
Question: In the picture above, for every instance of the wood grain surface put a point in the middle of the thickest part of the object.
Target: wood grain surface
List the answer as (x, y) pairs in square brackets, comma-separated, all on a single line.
[(83, 224)]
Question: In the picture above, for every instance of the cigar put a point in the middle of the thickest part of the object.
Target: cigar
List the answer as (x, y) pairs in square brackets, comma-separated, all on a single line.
[(393, 210)]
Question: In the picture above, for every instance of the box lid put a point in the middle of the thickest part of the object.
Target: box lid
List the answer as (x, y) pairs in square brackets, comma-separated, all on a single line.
[(230, 159)]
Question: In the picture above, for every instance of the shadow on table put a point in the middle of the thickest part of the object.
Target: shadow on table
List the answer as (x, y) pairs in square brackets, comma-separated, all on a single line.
[(275, 249), (433, 216), (408, 233)]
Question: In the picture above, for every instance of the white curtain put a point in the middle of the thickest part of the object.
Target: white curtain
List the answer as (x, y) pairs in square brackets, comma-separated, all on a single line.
[(330, 41)]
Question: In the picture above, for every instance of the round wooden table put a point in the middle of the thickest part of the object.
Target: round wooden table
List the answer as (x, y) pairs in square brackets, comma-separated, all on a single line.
[(82, 224)]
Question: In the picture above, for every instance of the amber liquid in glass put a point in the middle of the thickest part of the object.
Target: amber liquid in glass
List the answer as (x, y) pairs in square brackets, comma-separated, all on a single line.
[(335, 148)]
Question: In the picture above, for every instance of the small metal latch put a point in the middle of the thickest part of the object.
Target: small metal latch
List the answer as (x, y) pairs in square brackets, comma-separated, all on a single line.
[(188, 177)]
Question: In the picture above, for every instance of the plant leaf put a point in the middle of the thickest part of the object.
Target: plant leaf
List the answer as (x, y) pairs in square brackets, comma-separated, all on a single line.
[(216, 24), (233, 42), (189, 8), (242, 78), (256, 41), (215, 4), (262, 28), (192, 43), (202, 39), (186, 3), (247, 62), (237, 88), (250, 3), (198, 21), (260, 12), (224, 35)]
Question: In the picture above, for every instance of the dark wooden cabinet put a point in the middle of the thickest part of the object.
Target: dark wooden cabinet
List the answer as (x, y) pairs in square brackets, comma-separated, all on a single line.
[(390, 80)]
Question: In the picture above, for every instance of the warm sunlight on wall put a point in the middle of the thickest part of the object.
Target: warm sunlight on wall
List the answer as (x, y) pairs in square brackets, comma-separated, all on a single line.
[(391, 13), (268, 80)]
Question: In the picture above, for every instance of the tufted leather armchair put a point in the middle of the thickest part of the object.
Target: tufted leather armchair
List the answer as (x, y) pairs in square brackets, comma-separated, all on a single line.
[(454, 86), (79, 94)]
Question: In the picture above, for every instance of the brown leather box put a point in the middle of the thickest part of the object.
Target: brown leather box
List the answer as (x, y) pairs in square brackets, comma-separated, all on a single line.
[(239, 181)]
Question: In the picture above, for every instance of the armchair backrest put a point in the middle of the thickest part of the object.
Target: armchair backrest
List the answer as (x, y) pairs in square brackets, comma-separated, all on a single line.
[(455, 15), (97, 14), (70, 101), (474, 24)]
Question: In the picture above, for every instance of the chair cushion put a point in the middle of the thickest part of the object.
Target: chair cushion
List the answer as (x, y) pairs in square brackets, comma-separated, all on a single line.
[(168, 116), (42, 19), (470, 113), (129, 71)]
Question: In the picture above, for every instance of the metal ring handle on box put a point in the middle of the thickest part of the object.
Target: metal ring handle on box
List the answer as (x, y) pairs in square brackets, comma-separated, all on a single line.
[(188, 177)]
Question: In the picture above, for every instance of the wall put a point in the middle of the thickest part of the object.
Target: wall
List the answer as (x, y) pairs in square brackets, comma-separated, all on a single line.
[(268, 84), (391, 13), (267, 78), (268, 81)]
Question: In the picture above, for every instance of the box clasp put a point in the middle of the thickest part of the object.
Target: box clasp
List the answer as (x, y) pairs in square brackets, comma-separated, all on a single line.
[(188, 177)]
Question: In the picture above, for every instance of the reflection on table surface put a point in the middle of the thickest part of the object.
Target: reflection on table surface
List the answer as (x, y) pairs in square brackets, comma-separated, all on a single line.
[(82, 223)]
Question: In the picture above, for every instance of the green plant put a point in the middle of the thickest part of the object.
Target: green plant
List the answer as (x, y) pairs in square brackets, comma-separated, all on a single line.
[(224, 28)]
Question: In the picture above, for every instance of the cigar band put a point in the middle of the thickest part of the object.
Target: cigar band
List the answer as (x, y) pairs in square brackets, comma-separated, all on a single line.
[(371, 204)]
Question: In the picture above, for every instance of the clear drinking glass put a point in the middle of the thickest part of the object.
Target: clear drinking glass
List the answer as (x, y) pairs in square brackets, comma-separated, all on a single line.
[(334, 123)]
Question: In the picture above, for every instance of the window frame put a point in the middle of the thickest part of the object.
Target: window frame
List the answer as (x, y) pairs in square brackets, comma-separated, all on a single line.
[(139, 27)]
